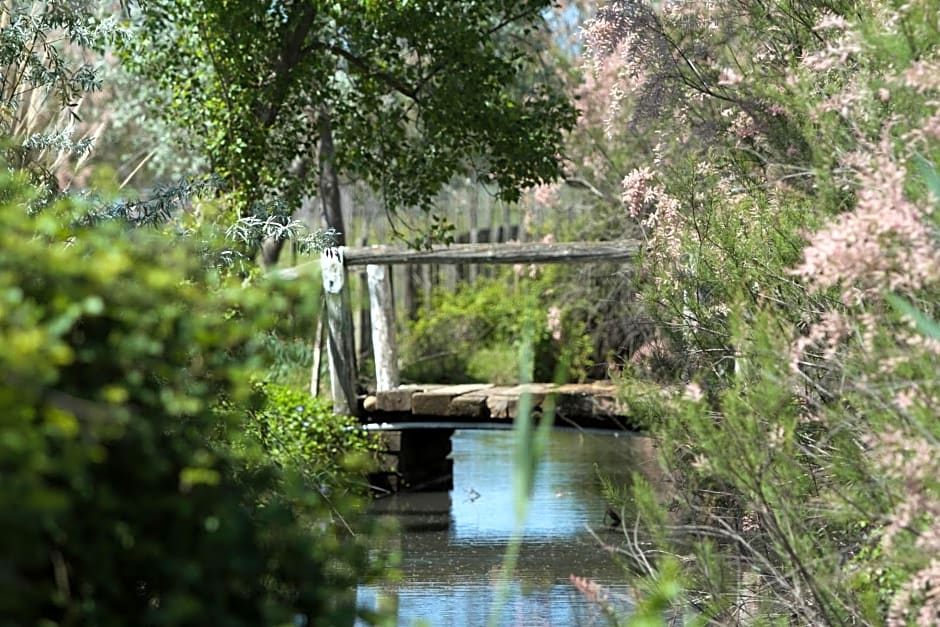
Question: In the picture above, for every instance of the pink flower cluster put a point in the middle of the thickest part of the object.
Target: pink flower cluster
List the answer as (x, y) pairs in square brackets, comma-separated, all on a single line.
[(663, 220), (913, 460), (837, 51), (828, 332), (664, 225), (592, 591), (638, 191), (553, 322), (884, 243), (546, 195), (927, 583), (923, 76)]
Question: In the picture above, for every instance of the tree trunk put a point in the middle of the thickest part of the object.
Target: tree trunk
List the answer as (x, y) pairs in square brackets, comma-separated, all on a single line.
[(410, 293), (474, 222), (271, 251), (343, 367), (329, 180)]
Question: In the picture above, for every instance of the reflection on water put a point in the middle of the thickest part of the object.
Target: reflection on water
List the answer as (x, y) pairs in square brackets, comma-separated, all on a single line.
[(452, 543)]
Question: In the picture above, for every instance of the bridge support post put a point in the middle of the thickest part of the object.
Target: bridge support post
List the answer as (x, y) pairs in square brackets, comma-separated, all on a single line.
[(340, 340), (416, 460), (384, 348)]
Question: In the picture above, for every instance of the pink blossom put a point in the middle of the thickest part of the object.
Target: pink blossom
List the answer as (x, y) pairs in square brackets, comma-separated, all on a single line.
[(828, 332), (884, 243), (546, 195), (830, 21), (554, 322), (836, 53), (923, 76), (926, 584), (904, 400), (593, 592), (637, 190), (728, 77), (693, 392)]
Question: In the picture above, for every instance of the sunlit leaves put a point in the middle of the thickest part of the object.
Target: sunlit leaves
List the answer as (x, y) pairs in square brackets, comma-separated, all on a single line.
[(416, 92), (124, 387)]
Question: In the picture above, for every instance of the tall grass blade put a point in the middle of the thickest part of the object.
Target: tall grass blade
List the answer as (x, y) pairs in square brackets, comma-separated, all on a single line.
[(925, 324), (531, 441)]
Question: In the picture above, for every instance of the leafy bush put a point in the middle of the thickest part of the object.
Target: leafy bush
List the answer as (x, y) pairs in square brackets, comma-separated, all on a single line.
[(128, 492), (299, 431), (793, 261), (475, 334)]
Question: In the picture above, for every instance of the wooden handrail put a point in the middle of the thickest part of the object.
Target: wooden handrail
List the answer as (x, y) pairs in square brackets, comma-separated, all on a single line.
[(509, 252), (456, 254)]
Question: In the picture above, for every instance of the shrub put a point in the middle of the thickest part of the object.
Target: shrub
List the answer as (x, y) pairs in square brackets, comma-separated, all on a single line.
[(128, 493), (475, 333), (300, 432), (791, 255)]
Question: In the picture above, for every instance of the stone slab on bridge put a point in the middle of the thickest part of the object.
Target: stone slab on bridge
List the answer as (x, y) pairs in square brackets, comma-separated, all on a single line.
[(588, 405)]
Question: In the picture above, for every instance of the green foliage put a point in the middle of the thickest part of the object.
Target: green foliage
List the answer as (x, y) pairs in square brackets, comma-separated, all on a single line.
[(891, 573), (300, 432), (46, 58), (646, 402), (874, 580), (925, 324), (476, 332), (751, 488), (291, 361), (724, 251), (413, 92), (661, 594), (803, 440), (129, 493), (494, 364)]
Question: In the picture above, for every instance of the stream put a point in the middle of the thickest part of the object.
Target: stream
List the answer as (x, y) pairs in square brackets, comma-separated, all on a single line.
[(452, 543)]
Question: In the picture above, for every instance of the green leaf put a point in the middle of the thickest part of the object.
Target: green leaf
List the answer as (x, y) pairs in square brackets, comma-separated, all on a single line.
[(925, 324), (930, 176)]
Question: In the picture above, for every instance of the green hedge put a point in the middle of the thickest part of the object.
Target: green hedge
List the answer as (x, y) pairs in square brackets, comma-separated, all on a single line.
[(129, 494)]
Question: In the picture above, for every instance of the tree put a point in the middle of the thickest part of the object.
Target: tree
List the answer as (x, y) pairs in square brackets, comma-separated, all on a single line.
[(47, 70), (402, 95)]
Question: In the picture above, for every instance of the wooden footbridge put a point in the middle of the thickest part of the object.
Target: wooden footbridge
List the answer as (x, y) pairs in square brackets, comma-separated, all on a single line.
[(334, 263), (488, 406), (433, 410)]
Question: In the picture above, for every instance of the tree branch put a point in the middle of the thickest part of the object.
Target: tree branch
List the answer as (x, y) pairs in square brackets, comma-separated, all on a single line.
[(288, 60), (389, 79)]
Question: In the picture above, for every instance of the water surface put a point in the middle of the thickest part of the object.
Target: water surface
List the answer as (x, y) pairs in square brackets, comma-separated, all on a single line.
[(452, 543)]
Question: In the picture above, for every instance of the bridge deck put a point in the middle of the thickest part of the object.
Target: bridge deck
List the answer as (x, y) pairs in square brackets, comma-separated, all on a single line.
[(588, 405)]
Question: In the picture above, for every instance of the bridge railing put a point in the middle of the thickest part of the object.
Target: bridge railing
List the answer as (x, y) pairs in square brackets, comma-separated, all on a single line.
[(340, 335)]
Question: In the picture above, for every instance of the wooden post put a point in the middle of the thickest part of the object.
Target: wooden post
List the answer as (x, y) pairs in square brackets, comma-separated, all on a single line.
[(364, 349), (474, 222), (410, 291), (340, 340), (427, 284), (317, 353), (385, 351)]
